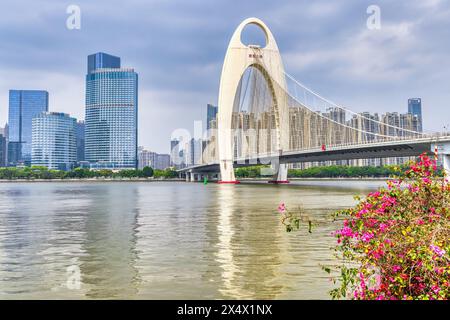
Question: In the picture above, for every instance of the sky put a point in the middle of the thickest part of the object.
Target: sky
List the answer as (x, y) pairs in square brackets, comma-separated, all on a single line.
[(177, 47)]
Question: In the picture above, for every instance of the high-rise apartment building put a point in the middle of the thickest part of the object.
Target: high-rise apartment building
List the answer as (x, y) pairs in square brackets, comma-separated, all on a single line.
[(176, 154), (211, 116), (152, 159), (111, 113), (54, 141), (193, 154), (23, 106)]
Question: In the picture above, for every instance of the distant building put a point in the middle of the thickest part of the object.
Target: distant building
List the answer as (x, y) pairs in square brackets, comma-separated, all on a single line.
[(193, 154), (54, 141), (4, 146), (80, 141), (2, 150), (176, 154), (211, 116), (23, 106), (415, 108), (152, 159), (162, 161), (111, 113)]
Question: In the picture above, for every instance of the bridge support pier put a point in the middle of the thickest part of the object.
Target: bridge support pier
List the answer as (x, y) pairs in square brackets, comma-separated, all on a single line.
[(443, 149), (227, 173), (188, 176), (446, 164), (280, 176)]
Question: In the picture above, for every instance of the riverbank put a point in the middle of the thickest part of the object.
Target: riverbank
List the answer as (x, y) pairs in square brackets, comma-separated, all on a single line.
[(182, 180), (93, 180)]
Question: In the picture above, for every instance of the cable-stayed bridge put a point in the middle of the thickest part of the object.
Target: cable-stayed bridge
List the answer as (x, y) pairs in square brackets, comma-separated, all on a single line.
[(265, 116)]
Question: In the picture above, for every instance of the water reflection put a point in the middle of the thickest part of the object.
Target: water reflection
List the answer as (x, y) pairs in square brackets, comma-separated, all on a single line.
[(108, 264), (165, 240), (225, 255), (250, 250)]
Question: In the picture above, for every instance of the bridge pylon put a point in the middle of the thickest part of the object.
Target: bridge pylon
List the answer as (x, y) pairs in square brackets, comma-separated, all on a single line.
[(239, 57)]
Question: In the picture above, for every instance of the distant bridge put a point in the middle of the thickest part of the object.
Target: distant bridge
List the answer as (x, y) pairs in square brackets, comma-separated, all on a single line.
[(265, 116)]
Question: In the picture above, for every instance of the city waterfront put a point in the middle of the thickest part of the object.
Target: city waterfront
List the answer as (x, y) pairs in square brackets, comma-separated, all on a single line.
[(167, 240)]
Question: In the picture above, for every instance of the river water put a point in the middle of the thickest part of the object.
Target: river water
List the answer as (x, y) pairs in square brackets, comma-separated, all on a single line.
[(167, 240)]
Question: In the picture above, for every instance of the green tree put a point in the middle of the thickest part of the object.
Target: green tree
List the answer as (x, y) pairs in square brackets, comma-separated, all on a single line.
[(147, 171)]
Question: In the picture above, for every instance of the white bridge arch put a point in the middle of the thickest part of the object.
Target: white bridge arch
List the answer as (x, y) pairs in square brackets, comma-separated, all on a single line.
[(239, 57)]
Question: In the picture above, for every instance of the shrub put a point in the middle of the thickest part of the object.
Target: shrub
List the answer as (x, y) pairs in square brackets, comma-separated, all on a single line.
[(395, 243)]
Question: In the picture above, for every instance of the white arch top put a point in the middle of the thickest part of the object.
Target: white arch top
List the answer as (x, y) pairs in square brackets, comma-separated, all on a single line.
[(238, 58), (236, 42)]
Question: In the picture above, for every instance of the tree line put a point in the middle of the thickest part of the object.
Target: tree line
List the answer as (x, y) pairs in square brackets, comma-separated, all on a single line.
[(326, 172), (38, 172)]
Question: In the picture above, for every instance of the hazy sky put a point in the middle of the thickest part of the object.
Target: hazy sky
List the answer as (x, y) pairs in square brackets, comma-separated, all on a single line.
[(177, 47)]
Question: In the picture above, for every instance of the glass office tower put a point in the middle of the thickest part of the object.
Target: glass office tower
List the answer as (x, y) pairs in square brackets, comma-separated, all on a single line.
[(54, 141), (80, 141), (102, 60), (415, 108), (111, 114), (23, 106)]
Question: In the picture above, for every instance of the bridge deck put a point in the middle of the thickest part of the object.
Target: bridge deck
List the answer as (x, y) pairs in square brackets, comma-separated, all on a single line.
[(400, 148)]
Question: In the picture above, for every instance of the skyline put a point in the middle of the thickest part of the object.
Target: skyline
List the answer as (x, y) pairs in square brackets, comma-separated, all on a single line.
[(179, 55)]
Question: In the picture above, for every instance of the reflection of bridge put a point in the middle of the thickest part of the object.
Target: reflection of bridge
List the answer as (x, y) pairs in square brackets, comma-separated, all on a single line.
[(267, 117)]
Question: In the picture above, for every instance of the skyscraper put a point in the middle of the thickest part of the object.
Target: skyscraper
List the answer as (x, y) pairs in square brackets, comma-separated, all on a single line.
[(194, 152), (23, 106), (415, 108), (177, 159), (102, 60), (211, 115), (111, 113), (2, 150), (54, 141), (80, 141)]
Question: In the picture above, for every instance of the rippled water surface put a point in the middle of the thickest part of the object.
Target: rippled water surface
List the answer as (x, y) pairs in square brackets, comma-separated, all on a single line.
[(166, 240)]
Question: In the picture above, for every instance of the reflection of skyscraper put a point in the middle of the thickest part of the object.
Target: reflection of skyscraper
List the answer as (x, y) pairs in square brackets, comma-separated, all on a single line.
[(54, 141), (23, 106), (111, 113), (415, 108), (108, 263)]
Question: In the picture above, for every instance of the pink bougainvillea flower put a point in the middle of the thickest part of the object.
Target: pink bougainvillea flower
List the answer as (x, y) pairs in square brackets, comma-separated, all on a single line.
[(426, 180), (347, 232), (386, 232), (282, 208), (436, 289), (366, 237), (440, 252), (396, 268)]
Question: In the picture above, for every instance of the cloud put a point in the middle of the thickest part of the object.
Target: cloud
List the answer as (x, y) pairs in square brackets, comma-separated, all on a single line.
[(177, 47)]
